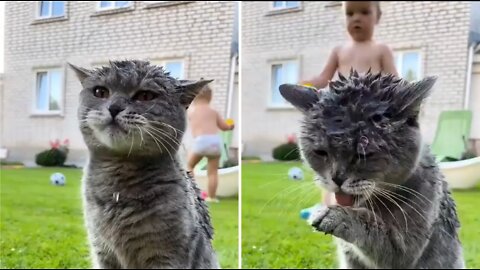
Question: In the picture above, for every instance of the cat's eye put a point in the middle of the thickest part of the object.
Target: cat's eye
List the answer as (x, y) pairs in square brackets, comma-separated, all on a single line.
[(321, 153), (145, 96), (101, 92)]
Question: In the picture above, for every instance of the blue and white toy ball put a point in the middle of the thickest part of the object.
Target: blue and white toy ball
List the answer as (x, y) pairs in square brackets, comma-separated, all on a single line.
[(307, 212), (295, 173), (57, 179)]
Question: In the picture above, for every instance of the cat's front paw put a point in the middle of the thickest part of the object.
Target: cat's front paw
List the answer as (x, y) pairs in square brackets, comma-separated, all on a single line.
[(330, 220)]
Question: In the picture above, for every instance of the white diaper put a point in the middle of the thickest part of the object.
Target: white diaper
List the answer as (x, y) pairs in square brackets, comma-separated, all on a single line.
[(207, 145)]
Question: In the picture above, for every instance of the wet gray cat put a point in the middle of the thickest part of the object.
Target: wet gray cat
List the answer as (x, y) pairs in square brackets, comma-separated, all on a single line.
[(363, 141), (141, 209)]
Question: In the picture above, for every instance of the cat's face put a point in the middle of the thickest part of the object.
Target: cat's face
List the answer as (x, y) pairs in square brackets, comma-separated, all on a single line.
[(363, 132), (133, 108)]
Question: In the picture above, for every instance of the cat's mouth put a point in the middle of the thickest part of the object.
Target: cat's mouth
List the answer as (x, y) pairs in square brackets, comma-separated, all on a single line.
[(344, 199)]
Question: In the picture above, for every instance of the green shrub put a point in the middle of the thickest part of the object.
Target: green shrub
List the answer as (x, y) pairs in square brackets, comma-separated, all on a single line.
[(51, 158), (251, 158), (286, 152), (10, 163)]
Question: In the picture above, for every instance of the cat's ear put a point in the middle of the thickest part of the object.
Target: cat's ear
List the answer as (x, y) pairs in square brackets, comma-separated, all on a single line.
[(412, 95), (188, 90), (299, 96), (81, 73)]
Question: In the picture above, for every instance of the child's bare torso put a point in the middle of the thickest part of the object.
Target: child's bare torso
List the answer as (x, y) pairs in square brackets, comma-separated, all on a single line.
[(202, 120), (360, 56)]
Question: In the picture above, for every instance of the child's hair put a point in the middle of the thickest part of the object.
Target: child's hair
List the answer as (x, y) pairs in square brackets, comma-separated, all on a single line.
[(377, 6), (204, 94)]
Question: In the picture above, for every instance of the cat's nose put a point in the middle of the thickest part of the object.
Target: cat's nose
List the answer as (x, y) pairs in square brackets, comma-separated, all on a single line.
[(338, 180), (114, 110)]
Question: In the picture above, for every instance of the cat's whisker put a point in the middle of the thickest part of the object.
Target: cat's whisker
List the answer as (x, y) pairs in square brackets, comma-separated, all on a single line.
[(375, 204), (282, 178), (407, 204), (388, 197), (386, 207), (165, 133), (155, 140), (131, 146), (165, 124), (291, 151), (310, 196), (166, 148), (304, 195), (373, 210), (406, 198), (146, 111), (170, 126), (406, 189), (161, 142), (290, 190), (286, 196), (289, 202), (141, 135), (164, 137)]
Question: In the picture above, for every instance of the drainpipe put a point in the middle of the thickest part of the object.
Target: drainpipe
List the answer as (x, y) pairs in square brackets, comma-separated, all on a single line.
[(468, 83), (231, 82)]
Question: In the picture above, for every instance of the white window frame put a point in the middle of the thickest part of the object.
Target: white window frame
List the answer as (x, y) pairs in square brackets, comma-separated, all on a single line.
[(286, 104), (399, 66), (39, 8), (112, 7), (35, 110), (284, 6), (165, 61)]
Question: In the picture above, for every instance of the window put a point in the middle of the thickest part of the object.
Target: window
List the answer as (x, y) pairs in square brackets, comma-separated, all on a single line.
[(408, 64), (51, 9), (285, 4), (102, 5), (48, 91), (285, 72), (175, 67)]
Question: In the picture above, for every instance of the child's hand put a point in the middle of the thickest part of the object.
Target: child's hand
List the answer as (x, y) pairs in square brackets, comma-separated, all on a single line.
[(308, 84), (230, 123)]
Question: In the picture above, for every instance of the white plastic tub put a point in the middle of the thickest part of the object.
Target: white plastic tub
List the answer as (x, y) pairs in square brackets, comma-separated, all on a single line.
[(461, 174), (227, 181)]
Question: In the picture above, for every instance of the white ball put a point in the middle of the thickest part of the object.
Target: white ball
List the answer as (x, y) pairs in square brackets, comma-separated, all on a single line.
[(58, 179), (295, 173)]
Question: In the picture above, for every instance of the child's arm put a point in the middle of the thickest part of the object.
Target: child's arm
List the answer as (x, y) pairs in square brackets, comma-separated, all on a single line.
[(221, 123), (328, 71), (388, 61)]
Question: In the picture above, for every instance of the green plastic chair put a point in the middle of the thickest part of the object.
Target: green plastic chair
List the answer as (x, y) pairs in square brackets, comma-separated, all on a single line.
[(451, 138), (226, 142)]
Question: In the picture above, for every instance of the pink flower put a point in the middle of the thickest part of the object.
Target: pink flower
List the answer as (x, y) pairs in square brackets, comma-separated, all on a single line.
[(292, 138), (55, 144)]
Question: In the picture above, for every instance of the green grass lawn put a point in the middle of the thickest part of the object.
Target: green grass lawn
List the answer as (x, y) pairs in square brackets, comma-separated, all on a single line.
[(274, 236), (42, 225)]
